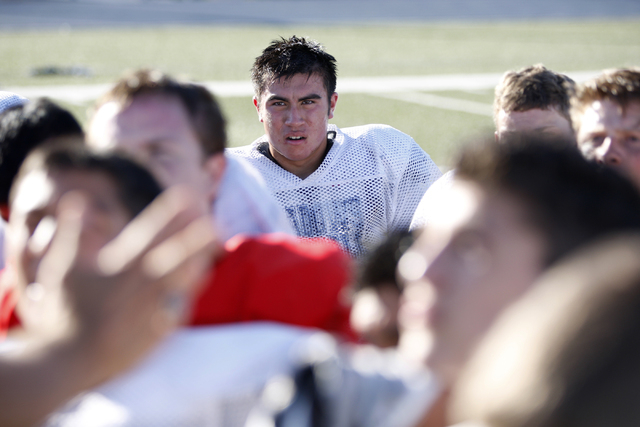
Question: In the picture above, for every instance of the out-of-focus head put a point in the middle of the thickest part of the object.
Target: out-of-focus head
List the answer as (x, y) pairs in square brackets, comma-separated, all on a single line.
[(176, 129), (606, 119), (116, 189), (284, 58), (533, 99), (24, 127), (567, 353), (374, 315), (514, 209)]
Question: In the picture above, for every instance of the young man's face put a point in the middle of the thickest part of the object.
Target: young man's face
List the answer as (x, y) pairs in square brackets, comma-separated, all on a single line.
[(612, 136), (156, 130), (295, 113), (34, 214), (548, 122), (477, 256)]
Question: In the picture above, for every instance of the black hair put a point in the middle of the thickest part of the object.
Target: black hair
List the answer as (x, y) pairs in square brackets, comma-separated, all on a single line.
[(379, 268), (24, 127), (285, 58), (136, 187)]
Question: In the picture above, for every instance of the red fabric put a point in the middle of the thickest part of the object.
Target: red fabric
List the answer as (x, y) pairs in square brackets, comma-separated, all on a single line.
[(278, 278), (272, 277), (8, 318)]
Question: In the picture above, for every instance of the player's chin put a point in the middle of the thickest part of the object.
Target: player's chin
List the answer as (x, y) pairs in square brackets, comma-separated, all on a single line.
[(296, 142)]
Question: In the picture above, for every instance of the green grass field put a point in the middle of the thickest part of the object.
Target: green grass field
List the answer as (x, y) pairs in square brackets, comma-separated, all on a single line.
[(226, 53)]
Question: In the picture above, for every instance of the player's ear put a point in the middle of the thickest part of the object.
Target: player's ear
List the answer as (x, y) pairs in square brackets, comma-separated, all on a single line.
[(332, 104), (256, 104)]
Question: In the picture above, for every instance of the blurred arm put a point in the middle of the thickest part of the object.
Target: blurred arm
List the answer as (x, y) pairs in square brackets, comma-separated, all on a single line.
[(100, 313)]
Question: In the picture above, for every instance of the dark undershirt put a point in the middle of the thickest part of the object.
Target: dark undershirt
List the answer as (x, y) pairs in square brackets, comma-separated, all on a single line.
[(263, 148)]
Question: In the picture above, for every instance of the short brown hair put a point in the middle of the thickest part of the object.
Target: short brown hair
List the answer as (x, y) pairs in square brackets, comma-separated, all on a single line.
[(621, 86), (533, 87), (201, 106)]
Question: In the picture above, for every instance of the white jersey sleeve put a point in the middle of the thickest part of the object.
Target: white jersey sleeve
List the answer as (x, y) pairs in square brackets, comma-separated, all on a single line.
[(368, 186), (245, 205), (430, 201)]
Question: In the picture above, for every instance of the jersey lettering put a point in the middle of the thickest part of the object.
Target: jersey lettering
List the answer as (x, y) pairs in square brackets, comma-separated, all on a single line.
[(340, 220)]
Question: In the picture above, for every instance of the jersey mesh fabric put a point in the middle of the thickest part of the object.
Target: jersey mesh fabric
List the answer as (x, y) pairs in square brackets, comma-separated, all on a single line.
[(368, 186)]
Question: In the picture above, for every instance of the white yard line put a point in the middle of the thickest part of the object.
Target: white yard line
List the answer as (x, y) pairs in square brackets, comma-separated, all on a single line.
[(405, 88), (445, 103)]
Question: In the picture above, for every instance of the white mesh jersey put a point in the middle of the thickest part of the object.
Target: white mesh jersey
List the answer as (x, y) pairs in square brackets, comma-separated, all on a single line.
[(368, 185)]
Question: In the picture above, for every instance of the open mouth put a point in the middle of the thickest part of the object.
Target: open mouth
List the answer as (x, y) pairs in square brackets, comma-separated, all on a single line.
[(295, 138)]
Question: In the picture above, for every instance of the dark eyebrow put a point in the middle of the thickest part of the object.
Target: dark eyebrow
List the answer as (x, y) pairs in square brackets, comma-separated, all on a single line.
[(276, 98), (303, 98), (311, 96)]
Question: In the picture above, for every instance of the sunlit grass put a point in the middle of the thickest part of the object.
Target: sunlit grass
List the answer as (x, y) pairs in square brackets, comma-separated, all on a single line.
[(226, 53)]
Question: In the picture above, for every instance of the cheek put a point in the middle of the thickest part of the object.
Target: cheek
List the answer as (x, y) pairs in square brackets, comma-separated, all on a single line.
[(516, 274), (631, 169), (162, 172), (101, 228), (633, 162), (270, 121)]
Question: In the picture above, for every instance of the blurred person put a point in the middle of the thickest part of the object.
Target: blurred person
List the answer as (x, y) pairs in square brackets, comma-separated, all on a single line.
[(7, 100), (216, 372), (606, 119), (116, 189), (513, 210), (374, 315), (532, 100), (567, 353), (178, 131), (354, 185), (97, 294), (23, 126)]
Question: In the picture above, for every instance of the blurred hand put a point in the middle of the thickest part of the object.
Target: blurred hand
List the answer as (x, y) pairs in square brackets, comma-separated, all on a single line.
[(111, 307)]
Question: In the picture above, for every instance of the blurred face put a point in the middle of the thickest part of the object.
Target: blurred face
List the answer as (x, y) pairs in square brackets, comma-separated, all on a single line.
[(611, 136), (374, 315), (34, 214), (472, 260), (156, 130), (295, 113), (547, 122)]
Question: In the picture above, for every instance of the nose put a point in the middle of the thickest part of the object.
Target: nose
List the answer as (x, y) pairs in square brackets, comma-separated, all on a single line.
[(608, 153), (295, 116)]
